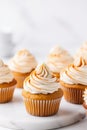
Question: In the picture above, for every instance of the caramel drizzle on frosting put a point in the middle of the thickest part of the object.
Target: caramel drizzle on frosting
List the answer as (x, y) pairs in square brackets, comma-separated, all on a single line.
[(75, 73), (41, 81), (79, 62)]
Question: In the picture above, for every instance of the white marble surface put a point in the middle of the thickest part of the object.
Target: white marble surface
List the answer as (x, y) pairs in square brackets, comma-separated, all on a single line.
[(40, 24), (14, 116)]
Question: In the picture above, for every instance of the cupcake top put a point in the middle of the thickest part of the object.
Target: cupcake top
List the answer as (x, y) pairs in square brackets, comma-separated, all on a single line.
[(82, 51), (5, 73), (23, 62), (75, 73), (41, 81), (85, 96), (58, 58)]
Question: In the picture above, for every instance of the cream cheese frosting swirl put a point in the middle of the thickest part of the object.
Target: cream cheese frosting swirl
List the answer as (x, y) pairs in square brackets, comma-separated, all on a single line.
[(75, 73), (58, 58), (23, 62), (85, 96), (41, 81), (5, 73), (82, 51)]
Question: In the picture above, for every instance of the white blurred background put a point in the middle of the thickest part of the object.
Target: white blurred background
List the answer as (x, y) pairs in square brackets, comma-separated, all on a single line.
[(41, 24)]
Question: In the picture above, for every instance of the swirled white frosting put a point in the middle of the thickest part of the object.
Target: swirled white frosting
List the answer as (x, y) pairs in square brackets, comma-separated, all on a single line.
[(23, 62), (82, 51), (75, 73), (5, 73), (85, 96), (41, 81), (58, 58)]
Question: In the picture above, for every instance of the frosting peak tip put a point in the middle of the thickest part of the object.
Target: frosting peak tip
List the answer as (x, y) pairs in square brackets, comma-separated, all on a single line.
[(79, 62), (40, 67)]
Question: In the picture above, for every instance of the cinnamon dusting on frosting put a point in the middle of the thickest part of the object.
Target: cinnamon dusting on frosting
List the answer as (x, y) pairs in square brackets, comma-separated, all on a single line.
[(23, 62), (58, 59), (75, 73), (41, 81)]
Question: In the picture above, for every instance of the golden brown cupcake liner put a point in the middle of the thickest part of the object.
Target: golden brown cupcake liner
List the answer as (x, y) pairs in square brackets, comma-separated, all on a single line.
[(6, 94), (42, 107), (73, 95)]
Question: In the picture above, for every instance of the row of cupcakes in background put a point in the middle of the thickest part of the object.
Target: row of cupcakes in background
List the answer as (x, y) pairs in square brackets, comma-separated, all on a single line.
[(42, 90), (23, 63), (70, 71)]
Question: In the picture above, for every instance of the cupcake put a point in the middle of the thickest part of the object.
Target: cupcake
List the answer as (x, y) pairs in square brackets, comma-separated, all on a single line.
[(7, 83), (73, 80), (58, 59), (21, 65), (85, 98), (82, 51), (41, 92)]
